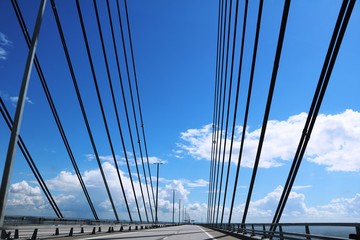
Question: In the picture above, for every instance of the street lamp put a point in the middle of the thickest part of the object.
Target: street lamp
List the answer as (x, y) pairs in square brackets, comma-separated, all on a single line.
[(179, 210), (173, 206), (157, 189)]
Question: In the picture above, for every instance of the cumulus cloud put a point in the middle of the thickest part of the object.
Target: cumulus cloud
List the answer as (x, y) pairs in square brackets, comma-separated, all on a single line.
[(68, 194), (64, 181), (333, 143), (296, 209), (344, 206), (196, 211), (24, 198)]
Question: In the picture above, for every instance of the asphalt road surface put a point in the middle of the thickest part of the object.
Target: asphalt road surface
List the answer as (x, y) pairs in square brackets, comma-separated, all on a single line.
[(188, 232)]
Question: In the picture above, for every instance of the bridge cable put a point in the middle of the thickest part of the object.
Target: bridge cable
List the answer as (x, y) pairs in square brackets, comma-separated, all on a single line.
[(100, 104), (79, 98), (30, 161), (209, 207), (219, 112), (256, 41), (334, 46), (133, 108), (114, 104), (237, 93), (209, 211), (52, 107), (219, 122), (139, 105), (118, 120), (268, 104), (228, 104), (211, 175), (215, 115)]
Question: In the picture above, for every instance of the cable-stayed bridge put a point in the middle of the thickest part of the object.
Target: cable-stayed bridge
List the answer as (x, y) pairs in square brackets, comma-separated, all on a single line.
[(90, 85)]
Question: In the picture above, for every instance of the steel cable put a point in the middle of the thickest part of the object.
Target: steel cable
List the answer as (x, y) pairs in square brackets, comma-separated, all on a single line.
[(139, 105), (268, 103), (52, 107), (114, 104), (127, 114), (82, 107), (334, 46), (101, 108), (228, 104), (214, 125), (117, 116), (237, 92), (30, 161), (256, 41), (219, 114)]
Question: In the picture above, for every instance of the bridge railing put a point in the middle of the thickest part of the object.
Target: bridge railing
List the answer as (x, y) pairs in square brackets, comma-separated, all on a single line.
[(43, 227), (284, 231), (30, 220)]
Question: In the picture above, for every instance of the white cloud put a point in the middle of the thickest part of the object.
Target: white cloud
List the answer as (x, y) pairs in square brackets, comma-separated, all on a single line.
[(24, 188), (64, 181), (121, 161), (296, 209), (198, 183), (197, 212), (23, 196), (198, 142), (180, 190), (3, 53), (15, 99), (106, 158), (344, 206), (4, 42), (301, 187), (68, 194), (334, 142)]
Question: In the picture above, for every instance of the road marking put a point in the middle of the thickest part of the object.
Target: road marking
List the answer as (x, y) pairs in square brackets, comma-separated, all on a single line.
[(110, 235), (208, 234)]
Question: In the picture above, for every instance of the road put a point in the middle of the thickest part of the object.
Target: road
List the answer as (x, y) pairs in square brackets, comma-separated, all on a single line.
[(188, 232)]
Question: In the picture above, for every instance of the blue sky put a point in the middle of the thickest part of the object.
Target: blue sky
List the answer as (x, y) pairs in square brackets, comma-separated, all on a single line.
[(175, 53)]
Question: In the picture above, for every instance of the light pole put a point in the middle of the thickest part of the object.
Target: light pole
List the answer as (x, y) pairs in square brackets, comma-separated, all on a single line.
[(157, 189), (184, 214), (173, 206), (179, 209)]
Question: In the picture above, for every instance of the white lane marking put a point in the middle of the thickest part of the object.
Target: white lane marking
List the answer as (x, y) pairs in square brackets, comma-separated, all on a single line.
[(208, 234), (111, 235)]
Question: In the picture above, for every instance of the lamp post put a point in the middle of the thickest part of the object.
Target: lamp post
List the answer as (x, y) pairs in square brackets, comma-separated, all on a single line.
[(173, 206), (157, 189), (179, 209)]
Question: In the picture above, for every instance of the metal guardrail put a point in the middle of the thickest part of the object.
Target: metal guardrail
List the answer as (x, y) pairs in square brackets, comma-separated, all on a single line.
[(46, 228), (29, 220), (283, 231)]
